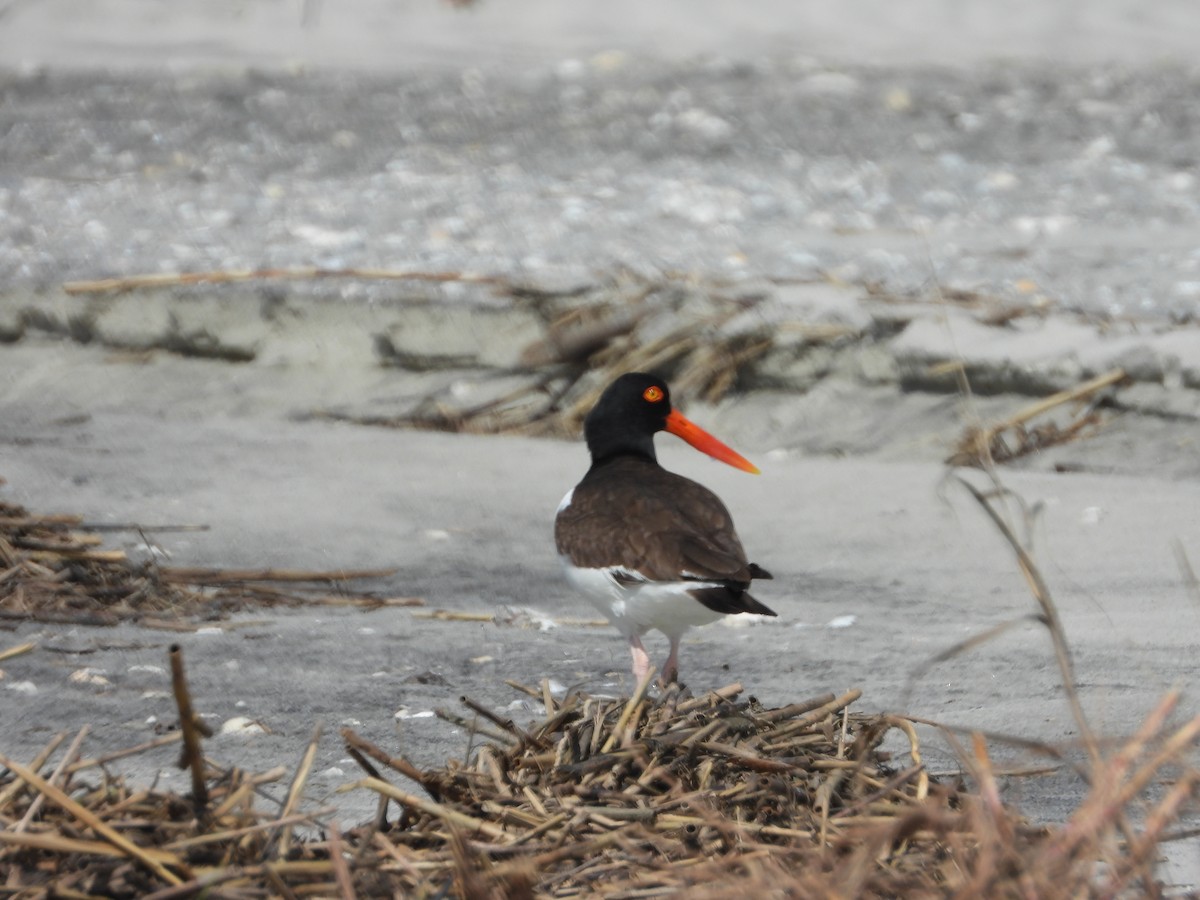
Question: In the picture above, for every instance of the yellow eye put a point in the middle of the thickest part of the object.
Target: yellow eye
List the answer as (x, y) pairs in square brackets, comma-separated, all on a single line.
[(653, 394)]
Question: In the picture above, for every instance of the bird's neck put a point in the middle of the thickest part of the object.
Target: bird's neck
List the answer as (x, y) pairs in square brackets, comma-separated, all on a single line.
[(608, 447), (599, 462)]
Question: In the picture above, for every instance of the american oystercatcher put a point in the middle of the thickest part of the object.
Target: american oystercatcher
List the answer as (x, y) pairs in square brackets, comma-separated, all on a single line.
[(649, 548)]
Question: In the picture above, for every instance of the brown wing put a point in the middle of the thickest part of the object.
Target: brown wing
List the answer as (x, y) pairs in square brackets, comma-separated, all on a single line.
[(634, 514)]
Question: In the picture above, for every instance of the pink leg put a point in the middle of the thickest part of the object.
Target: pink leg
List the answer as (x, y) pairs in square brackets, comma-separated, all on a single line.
[(670, 670), (641, 659)]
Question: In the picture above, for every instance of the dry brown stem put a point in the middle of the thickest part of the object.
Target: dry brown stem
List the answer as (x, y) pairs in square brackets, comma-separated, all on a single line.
[(298, 273), (985, 445), (191, 727)]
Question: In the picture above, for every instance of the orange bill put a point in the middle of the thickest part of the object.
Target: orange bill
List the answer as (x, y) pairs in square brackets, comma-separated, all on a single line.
[(680, 426)]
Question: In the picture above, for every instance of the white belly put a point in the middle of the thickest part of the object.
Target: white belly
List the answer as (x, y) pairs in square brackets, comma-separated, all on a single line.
[(635, 609)]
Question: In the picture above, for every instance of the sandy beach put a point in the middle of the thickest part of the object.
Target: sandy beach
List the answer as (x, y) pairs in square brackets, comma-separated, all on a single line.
[(1057, 195)]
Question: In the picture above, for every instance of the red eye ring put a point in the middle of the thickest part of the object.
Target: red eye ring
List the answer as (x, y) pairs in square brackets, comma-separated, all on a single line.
[(653, 394)]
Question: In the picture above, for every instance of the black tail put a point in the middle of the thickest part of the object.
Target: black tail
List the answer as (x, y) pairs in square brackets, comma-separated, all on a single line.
[(730, 599)]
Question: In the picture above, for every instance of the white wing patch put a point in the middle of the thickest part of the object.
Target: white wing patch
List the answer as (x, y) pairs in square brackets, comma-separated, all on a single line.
[(641, 605), (565, 501)]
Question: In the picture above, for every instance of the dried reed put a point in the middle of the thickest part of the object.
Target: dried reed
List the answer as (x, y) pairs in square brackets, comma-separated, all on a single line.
[(632, 797), (52, 570)]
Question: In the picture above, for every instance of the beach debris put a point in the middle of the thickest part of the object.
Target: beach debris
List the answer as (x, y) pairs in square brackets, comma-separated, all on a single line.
[(1014, 437), (644, 796), (53, 569)]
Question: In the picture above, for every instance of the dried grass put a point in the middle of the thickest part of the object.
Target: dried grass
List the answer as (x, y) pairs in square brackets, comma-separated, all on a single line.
[(693, 334), (638, 797), (53, 569), (983, 446)]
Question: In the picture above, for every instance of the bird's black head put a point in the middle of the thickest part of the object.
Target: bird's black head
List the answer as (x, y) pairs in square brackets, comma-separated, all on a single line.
[(627, 416), (635, 408)]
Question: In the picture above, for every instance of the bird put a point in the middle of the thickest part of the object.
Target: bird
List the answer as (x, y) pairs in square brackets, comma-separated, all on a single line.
[(647, 547)]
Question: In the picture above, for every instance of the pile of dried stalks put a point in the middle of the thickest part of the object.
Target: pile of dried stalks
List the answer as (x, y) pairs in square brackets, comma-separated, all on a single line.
[(702, 337), (641, 797), (54, 569), (983, 446)]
